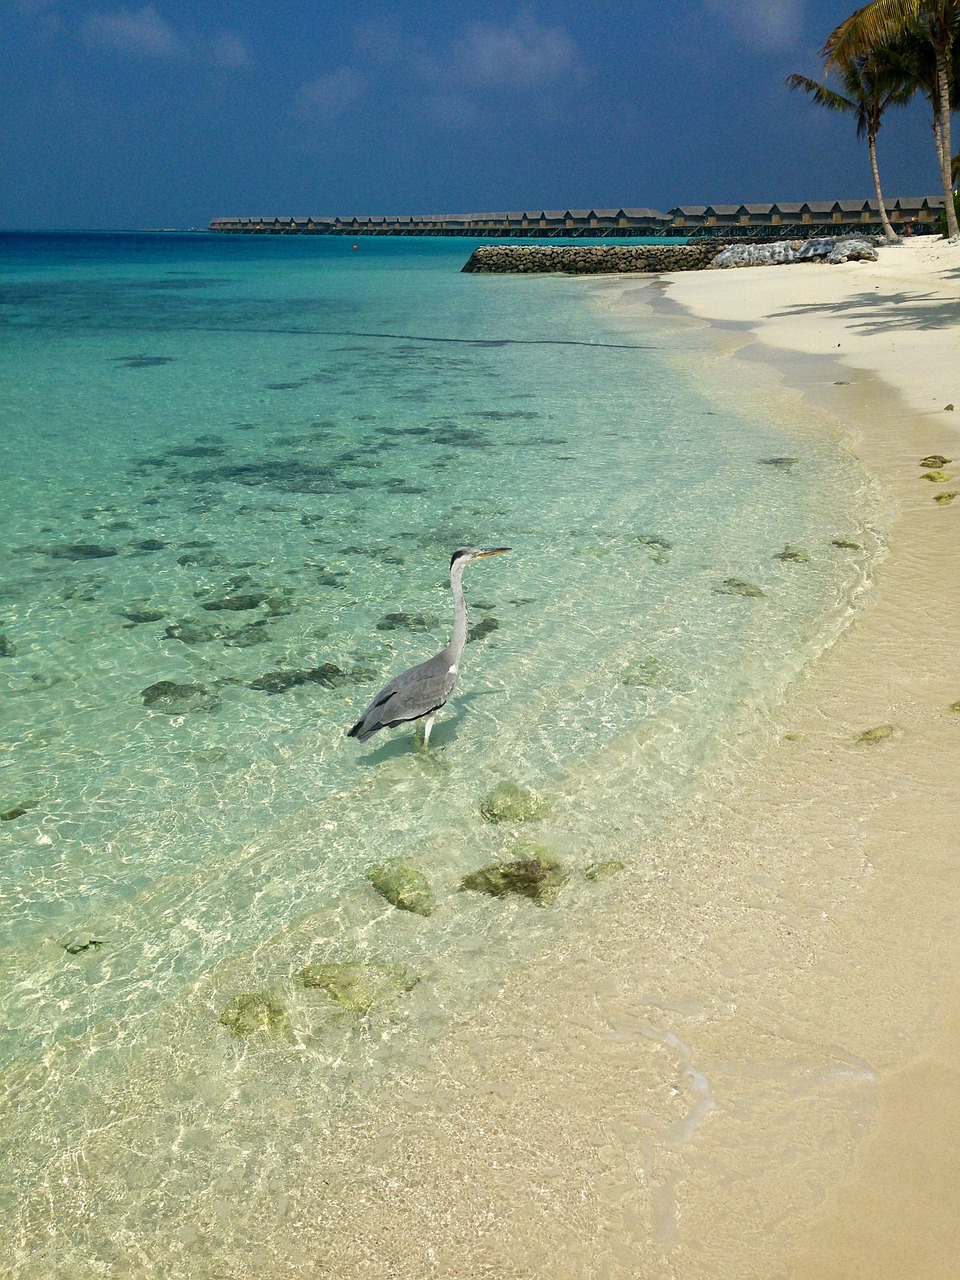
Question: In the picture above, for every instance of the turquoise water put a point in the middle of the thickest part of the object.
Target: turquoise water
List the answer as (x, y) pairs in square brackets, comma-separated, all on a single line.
[(228, 463)]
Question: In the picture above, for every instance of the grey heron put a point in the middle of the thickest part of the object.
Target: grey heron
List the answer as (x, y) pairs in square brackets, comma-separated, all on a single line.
[(418, 694)]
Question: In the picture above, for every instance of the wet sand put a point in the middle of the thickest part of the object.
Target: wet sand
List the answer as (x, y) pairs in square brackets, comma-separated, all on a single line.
[(747, 1069)]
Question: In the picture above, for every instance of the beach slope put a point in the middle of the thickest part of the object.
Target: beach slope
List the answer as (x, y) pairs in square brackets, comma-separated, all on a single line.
[(895, 991)]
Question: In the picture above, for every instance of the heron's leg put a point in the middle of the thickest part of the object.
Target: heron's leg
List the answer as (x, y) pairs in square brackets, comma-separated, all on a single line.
[(427, 726)]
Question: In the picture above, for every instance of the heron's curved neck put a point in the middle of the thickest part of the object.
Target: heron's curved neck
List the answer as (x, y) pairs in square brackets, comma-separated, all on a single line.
[(460, 617)]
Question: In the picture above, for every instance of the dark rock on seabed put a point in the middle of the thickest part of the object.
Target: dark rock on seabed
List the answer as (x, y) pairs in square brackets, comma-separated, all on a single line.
[(782, 464), (509, 803), (403, 621), (485, 627), (403, 887), (358, 987), (81, 551), (175, 699), (234, 603), (737, 587), (18, 810), (328, 674), (252, 1011), (137, 616), (537, 876)]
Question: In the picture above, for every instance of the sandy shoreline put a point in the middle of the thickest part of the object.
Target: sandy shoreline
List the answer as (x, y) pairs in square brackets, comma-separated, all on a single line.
[(748, 1071), (894, 1215)]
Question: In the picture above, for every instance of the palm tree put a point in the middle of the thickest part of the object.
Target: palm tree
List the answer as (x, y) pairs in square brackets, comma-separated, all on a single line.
[(882, 23), (871, 86), (914, 58)]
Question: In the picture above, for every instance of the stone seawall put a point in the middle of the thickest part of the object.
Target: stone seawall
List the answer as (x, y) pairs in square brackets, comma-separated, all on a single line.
[(578, 259)]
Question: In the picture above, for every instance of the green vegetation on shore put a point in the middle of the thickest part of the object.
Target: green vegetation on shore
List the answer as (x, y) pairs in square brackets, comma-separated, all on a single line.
[(884, 54)]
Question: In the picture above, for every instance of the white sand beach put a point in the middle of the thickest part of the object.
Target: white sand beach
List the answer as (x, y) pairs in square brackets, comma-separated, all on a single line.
[(894, 324), (896, 318), (754, 1075)]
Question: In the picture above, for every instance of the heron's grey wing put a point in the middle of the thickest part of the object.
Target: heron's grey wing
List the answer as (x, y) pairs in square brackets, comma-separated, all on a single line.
[(409, 696)]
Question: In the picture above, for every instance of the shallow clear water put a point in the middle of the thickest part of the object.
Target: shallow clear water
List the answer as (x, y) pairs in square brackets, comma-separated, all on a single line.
[(307, 430)]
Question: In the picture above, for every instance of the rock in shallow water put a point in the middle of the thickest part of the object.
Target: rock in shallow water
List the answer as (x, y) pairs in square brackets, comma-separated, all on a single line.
[(252, 1011), (137, 616), (793, 555), (403, 886), (603, 870), (235, 603), (643, 673), (485, 627), (934, 461), (509, 803), (81, 551), (781, 464), (404, 621), (879, 733), (537, 876), (7, 649), (18, 810), (189, 631), (737, 587), (358, 987), (328, 674), (174, 699)]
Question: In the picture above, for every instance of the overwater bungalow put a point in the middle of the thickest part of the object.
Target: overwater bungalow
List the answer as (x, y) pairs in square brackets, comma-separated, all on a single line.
[(813, 217), (921, 209), (722, 215), (757, 215), (688, 215)]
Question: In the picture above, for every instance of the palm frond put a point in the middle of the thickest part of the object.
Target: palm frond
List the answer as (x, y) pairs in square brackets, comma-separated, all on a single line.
[(874, 26), (821, 94)]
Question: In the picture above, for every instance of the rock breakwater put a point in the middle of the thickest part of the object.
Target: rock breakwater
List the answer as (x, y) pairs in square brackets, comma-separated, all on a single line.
[(539, 259), (832, 249), (578, 260)]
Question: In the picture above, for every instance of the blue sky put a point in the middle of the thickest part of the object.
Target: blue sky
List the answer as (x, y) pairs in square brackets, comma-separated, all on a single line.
[(172, 112)]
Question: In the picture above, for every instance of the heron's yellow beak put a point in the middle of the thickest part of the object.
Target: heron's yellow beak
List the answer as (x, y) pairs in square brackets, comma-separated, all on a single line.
[(491, 551)]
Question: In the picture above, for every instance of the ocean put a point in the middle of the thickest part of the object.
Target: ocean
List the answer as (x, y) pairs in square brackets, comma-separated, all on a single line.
[(234, 472)]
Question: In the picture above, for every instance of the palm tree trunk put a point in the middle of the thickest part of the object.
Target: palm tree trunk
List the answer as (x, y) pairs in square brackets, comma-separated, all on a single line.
[(946, 146), (888, 230), (938, 133)]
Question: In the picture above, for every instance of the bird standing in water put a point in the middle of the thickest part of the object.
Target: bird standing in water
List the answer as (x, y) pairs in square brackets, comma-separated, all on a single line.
[(418, 694)]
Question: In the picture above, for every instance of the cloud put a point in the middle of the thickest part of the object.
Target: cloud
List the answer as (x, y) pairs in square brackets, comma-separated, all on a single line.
[(520, 53), (141, 32), (768, 24), (228, 50), (331, 92)]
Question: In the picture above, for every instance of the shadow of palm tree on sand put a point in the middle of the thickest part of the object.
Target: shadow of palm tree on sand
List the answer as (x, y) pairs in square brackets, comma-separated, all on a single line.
[(878, 312)]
